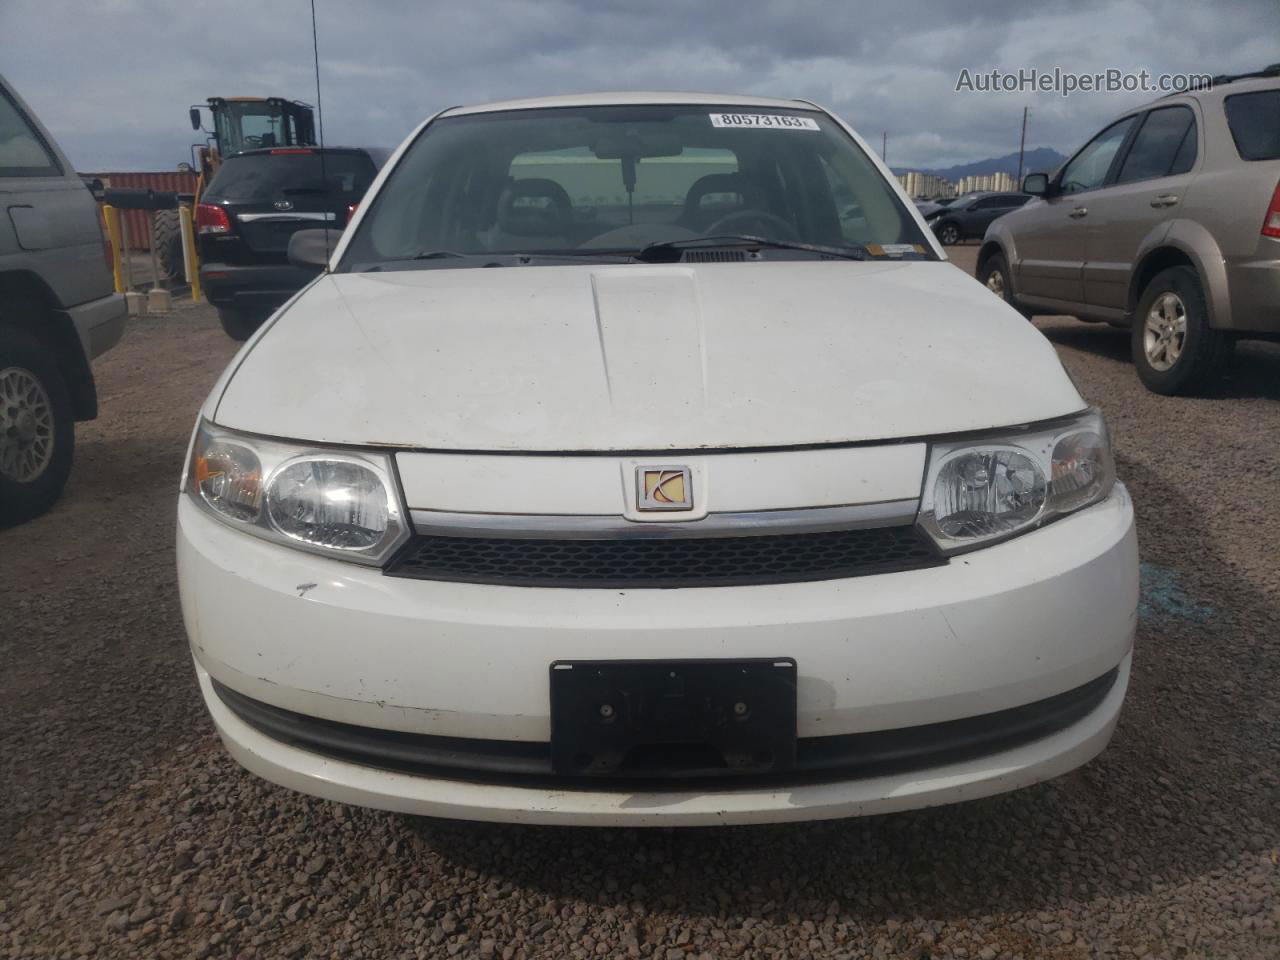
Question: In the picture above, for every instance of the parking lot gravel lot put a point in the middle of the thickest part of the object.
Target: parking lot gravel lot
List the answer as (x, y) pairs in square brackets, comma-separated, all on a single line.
[(126, 831)]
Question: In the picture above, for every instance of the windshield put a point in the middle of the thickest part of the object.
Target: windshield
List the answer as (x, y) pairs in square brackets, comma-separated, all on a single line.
[(246, 124), (592, 181)]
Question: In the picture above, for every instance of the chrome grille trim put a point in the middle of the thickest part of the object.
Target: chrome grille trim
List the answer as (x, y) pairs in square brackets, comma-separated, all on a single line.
[(861, 516)]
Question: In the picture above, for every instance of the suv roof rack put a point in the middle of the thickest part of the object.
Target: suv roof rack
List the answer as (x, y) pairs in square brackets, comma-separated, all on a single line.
[(1222, 79), (1271, 71)]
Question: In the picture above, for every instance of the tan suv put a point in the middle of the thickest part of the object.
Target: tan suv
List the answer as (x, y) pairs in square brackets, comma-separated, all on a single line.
[(1168, 222)]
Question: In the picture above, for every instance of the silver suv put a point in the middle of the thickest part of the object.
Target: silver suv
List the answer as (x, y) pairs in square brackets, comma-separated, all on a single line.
[(58, 310), (1168, 222)]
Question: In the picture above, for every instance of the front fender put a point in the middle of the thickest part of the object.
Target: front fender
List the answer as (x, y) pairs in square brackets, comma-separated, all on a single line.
[(999, 239)]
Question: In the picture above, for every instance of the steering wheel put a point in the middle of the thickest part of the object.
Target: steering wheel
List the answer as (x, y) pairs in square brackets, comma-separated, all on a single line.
[(727, 223)]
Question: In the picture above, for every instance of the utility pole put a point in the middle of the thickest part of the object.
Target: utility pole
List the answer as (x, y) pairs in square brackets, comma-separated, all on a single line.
[(884, 147), (1022, 146)]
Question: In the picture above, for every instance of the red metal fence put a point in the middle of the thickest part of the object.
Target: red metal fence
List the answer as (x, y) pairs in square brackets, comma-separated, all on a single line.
[(139, 231)]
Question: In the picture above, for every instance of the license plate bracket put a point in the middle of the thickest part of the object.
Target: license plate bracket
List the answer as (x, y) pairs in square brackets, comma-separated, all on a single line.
[(668, 718)]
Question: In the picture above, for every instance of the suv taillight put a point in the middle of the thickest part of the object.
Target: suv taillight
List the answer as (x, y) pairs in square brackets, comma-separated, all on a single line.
[(351, 211), (211, 219), (1271, 223)]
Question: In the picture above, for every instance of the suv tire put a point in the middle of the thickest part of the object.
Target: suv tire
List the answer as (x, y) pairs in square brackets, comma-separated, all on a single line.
[(948, 233), (993, 273), (239, 324), (1174, 348), (37, 429)]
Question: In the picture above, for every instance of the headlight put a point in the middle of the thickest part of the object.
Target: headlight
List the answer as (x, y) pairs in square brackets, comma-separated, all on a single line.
[(340, 503), (978, 491)]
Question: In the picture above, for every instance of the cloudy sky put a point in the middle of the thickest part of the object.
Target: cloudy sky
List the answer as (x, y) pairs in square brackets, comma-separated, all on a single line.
[(113, 79)]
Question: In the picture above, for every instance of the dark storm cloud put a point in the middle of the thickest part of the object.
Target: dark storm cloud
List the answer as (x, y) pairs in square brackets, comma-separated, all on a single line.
[(113, 79)]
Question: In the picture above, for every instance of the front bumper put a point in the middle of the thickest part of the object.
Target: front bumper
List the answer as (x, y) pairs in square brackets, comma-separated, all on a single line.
[(344, 782), (260, 287), (1016, 623)]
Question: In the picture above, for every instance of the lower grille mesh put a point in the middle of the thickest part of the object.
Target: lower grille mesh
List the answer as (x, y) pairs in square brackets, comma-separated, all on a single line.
[(665, 562)]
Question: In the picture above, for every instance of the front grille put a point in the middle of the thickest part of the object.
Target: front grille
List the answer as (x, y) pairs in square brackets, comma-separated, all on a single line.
[(665, 562), (818, 759)]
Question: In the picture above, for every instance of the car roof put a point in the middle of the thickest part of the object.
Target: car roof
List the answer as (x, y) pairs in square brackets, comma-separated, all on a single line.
[(1222, 88), (1248, 85), (638, 98)]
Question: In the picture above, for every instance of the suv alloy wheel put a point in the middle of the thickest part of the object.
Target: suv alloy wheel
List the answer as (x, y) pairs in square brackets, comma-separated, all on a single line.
[(37, 431), (993, 272), (1174, 348)]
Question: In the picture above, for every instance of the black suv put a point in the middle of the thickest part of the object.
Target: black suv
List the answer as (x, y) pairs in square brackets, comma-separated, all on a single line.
[(969, 217), (253, 205)]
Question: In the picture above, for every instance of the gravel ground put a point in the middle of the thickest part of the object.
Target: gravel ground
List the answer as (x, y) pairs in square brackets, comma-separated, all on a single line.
[(126, 831)]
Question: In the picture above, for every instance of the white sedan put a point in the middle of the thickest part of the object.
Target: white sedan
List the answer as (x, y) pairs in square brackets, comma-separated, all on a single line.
[(640, 460)]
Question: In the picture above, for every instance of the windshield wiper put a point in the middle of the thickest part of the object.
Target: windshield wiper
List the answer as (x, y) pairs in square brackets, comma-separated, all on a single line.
[(513, 258), (588, 254), (437, 255), (667, 247), (517, 257)]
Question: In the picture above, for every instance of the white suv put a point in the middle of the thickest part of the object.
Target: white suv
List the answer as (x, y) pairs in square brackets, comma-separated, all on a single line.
[(642, 461)]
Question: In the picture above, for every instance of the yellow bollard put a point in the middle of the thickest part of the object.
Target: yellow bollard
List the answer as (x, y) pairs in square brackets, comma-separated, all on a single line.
[(190, 257), (112, 218)]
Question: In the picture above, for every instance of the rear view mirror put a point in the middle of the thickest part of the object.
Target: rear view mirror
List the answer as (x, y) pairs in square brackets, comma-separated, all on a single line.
[(637, 145), (313, 248), (1036, 184), (195, 118)]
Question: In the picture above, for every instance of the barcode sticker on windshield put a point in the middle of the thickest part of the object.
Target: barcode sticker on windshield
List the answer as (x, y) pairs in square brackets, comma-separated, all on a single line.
[(765, 121)]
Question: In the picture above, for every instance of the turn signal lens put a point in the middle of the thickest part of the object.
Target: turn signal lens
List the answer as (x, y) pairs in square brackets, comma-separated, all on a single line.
[(228, 477), (1082, 470)]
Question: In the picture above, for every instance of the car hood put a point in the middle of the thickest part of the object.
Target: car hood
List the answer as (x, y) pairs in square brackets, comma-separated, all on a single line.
[(644, 357)]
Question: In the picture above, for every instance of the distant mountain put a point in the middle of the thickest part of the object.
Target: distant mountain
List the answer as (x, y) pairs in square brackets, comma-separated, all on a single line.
[(1039, 160)]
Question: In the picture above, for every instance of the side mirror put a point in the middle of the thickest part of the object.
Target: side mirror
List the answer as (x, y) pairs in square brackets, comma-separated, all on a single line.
[(313, 248), (1036, 184), (195, 118)]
